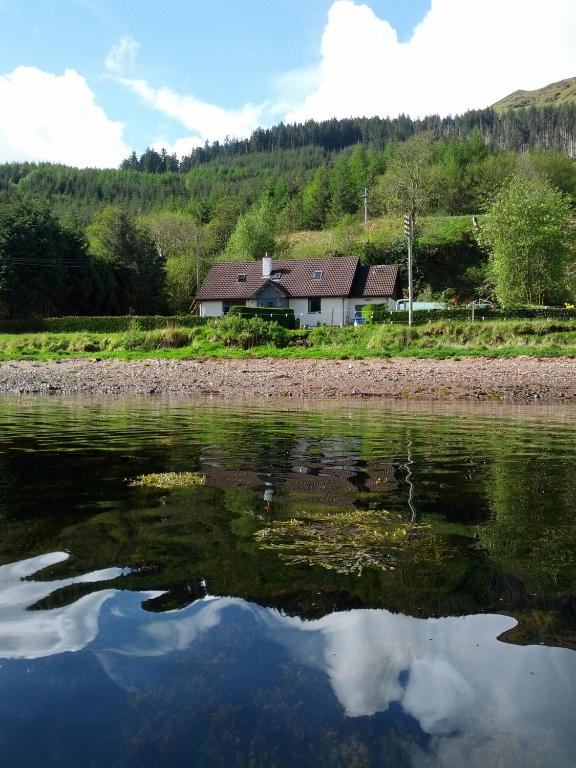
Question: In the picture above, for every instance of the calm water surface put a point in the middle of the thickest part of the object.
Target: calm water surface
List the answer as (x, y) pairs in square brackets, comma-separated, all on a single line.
[(362, 585)]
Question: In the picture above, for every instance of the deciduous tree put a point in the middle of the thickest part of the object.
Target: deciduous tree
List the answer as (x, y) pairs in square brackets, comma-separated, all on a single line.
[(254, 234), (529, 234), (410, 181)]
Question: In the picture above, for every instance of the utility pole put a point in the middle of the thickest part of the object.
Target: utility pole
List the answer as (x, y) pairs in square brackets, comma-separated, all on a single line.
[(197, 239), (409, 232), (365, 198)]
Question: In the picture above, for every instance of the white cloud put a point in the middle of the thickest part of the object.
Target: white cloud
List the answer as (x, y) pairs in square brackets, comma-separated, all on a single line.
[(122, 55), (464, 54), (47, 117), (291, 88), (208, 121), (180, 147)]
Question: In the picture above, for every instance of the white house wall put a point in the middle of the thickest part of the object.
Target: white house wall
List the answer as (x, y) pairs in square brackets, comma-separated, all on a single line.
[(334, 310), (210, 308)]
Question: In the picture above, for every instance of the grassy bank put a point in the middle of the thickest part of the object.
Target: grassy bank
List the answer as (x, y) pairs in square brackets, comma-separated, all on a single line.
[(240, 338)]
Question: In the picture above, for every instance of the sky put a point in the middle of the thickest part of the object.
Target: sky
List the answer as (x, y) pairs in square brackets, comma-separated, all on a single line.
[(86, 82)]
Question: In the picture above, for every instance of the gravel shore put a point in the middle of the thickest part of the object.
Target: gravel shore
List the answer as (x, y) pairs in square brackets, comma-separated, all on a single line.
[(512, 380)]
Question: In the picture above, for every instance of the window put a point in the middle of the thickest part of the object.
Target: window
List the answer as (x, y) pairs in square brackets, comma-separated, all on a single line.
[(276, 275), (242, 278), (317, 275), (314, 306)]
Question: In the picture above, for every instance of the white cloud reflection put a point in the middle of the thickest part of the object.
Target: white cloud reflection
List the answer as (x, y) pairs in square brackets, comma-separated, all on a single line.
[(26, 634), (474, 695)]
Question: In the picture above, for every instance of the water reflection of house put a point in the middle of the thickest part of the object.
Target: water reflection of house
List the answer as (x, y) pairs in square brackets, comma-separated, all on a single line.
[(339, 485)]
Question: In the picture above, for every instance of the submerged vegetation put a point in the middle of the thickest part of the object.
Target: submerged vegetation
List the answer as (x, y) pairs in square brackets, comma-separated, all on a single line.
[(168, 481), (345, 542)]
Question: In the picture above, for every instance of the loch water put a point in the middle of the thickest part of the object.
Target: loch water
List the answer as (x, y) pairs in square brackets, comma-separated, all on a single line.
[(354, 585)]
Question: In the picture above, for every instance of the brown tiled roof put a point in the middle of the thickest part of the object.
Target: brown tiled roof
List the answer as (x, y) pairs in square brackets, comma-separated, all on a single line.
[(341, 276), (379, 280), (295, 277)]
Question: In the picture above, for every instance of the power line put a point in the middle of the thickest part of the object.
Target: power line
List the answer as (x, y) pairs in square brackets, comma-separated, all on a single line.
[(47, 264)]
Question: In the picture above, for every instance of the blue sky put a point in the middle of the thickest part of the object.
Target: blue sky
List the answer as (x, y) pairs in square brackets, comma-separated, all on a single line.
[(83, 81)]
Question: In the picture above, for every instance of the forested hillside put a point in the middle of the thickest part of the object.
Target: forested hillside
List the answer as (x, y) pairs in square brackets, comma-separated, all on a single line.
[(86, 241)]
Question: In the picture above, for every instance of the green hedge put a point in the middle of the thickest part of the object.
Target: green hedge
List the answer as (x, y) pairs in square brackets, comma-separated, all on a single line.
[(381, 314), (103, 324), (281, 315)]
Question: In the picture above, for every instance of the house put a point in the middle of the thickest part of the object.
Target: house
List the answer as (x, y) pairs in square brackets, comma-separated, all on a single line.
[(329, 291)]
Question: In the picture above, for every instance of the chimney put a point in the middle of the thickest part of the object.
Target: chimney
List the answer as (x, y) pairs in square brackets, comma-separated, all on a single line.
[(266, 266)]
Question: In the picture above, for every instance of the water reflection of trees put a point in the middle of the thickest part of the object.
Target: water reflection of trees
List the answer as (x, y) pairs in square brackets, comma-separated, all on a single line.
[(495, 529), (533, 527)]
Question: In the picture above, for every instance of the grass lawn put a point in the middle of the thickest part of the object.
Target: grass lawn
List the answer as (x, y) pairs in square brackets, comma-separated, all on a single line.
[(503, 338), (383, 230)]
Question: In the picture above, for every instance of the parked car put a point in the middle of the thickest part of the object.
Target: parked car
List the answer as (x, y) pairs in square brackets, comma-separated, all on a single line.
[(480, 304), (402, 305)]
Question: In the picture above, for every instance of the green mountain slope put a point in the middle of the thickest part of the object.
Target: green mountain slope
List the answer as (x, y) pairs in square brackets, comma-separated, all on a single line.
[(553, 95)]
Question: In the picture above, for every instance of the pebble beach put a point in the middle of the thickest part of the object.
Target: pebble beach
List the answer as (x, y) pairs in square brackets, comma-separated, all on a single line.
[(519, 380)]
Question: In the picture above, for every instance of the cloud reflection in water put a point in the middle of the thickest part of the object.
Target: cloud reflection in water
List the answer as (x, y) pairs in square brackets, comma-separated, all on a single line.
[(452, 675)]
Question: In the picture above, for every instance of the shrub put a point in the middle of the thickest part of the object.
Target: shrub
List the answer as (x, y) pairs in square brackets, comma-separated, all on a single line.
[(328, 335), (368, 313), (164, 338), (243, 332)]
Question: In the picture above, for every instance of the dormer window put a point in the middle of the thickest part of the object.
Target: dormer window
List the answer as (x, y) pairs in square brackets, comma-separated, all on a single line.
[(276, 275), (242, 277), (317, 274)]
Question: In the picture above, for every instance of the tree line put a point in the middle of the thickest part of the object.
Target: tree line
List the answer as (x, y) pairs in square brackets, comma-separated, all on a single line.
[(550, 128), (48, 267)]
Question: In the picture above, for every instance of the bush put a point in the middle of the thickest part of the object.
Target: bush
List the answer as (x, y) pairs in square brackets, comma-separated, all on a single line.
[(326, 335), (243, 332), (281, 315), (103, 324), (163, 338), (368, 313)]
